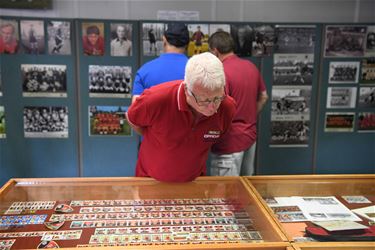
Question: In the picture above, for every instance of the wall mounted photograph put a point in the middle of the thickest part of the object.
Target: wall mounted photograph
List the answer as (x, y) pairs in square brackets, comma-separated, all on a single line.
[(121, 39), (198, 34), (339, 122), (344, 41), (370, 41), (93, 39), (243, 37), (152, 34), (9, 36), (32, 36), (366, 97), (59, 38), (45, 122), (366, 122), (109, 121), (290, 133), (294, 38), (110, 81), (43, 80), (343, 72), (368, 70), (341, 97), (293, 69)]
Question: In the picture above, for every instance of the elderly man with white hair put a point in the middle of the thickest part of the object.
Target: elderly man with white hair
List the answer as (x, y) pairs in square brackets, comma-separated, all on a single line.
[(181, 120)]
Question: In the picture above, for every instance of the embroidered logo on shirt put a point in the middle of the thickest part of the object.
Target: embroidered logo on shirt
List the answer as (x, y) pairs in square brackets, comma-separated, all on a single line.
[(212, 134)]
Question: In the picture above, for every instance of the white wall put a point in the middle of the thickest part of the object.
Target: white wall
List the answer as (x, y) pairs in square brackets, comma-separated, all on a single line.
[(213, 10)]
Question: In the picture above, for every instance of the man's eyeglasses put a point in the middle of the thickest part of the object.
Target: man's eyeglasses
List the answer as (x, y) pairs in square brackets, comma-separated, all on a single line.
[(216, 100)]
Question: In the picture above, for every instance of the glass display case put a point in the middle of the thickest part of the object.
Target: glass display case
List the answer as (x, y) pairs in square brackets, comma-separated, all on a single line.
[(342, 193), (209, 213)]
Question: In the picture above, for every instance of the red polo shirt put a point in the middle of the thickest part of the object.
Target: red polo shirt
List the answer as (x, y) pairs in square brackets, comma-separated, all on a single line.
[(244, 84), (175, 147)]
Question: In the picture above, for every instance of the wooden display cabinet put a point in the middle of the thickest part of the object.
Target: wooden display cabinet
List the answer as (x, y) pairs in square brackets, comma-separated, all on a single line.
[(315, 185), (133, 189)]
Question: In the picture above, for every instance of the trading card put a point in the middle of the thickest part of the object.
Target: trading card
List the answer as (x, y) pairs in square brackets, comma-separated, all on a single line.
[(54, 225), (356, 199), (63, 208), (47, 244)]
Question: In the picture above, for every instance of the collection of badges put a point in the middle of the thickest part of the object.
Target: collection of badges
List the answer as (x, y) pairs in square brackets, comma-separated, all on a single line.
[(133, 222)]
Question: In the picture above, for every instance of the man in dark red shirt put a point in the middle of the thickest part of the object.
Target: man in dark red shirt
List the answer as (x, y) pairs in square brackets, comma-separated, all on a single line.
[(234, 153), (180, 120)]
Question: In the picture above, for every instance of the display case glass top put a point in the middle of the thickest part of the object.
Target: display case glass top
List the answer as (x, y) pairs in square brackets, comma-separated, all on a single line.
[(214, 212)]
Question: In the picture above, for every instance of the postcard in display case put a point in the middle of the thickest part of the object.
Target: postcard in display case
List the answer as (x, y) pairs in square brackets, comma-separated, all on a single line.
[(217, 212), (317, 208)]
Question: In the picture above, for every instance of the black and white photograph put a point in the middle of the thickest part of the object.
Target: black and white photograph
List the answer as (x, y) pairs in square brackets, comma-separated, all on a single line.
[(339, 122), (293, 69), (45, 122), (2, 122), (215, 27), (109, 120), (32, 36), (343, 72), (264, 37), (370, 41), (110, 81), (59, 38), (152, 34), (121, 39), (290, 103), (243, 37), (9, 36), (43, 80), (198, 34), (294, 39), (341, 97), (290, 133), (366, 97), (368, 70), (366, 122), (344, 41)]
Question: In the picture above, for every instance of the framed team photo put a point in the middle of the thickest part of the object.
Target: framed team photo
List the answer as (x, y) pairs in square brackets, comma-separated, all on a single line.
[(366, 122), (43, 80), (368, 71), (339, 122), (294, 38), (108, 121), (110, 81), (198, 34), (341, 97), (45, 122), (293, 69), (343, 72), (152, 34), (2, 123), (264, 37), (344, 41), (9, 36), (93, 39), (121, 39), (366, 97), (32, 36), (59, 38)]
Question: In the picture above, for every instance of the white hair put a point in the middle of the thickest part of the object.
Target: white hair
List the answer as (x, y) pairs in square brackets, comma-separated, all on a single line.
[(205, 69)]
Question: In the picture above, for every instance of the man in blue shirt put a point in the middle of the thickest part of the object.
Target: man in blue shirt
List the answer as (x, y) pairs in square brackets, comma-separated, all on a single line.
[(168, 66)]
